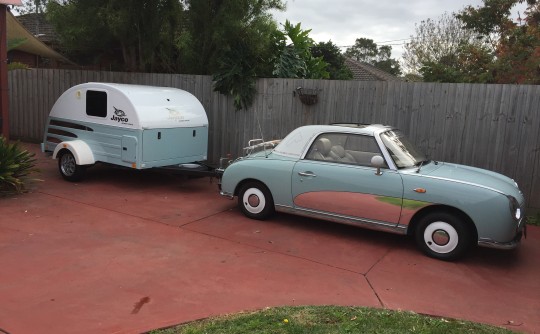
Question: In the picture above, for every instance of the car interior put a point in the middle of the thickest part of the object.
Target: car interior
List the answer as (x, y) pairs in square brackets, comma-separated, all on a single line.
[(344, 148)]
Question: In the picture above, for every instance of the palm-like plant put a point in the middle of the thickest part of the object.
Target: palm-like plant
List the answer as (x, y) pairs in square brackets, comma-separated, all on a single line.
[(15, 166)]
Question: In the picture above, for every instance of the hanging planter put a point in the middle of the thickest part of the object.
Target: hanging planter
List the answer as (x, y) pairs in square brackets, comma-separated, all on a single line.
[(308, 96)]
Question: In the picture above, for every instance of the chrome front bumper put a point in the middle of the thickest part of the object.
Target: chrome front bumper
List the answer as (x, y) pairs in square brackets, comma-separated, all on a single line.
[(522, 232), (226, 194)]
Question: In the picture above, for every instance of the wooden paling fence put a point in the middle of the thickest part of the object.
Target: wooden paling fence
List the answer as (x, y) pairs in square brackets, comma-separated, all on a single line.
[(489, 126)]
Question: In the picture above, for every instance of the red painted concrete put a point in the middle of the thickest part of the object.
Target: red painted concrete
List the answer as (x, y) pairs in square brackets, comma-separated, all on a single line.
[(345, 247), (126, 252)]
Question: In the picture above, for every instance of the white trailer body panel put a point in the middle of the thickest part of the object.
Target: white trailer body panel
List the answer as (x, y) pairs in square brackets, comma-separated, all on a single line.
[(130, 125)]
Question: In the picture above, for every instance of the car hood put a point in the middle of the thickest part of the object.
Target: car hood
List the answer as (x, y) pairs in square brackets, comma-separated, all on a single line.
[(475, 176)]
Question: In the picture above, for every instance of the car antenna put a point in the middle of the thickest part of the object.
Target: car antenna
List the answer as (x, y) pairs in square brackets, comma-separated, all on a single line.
[(262, 136)]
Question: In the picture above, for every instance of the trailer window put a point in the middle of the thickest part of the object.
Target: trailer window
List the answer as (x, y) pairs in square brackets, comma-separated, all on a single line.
[(96, 103)]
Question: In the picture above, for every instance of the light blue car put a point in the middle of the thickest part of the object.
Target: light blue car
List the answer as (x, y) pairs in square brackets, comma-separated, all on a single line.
[(372, 176)]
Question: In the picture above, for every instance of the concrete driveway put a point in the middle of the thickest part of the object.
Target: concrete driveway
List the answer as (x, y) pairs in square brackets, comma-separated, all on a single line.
[(127, 252)]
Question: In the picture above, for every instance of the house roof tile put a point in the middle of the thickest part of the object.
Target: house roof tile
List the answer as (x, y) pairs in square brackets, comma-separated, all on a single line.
[(366, 72), (38, 26)]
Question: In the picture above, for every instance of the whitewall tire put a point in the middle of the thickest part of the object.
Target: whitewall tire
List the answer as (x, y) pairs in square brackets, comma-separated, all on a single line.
[(444, 236), (255, 200)]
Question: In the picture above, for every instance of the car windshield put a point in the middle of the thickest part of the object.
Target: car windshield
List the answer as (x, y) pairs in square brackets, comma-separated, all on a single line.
[(402, 151)]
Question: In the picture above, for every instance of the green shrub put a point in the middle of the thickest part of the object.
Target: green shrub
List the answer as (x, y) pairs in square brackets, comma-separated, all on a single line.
[(17, 66), (15, 166), (534, 218)]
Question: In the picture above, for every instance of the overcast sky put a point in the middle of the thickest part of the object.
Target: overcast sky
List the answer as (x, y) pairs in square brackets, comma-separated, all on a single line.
[(343, 21)]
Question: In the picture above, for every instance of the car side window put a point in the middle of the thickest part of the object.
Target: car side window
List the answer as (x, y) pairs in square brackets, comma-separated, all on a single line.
[(344, 148), (362, 148), (320, 149)]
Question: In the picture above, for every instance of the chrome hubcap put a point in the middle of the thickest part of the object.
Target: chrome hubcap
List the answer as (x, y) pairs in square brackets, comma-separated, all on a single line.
[(68, 164), (440, 237), (254, 200)]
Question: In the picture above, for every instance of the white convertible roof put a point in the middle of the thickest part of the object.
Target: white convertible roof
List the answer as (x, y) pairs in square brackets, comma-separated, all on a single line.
[(295, 143), (132, 106)]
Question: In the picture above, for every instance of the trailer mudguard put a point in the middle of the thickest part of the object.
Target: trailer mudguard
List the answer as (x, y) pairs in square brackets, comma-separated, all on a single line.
[(80, 150)]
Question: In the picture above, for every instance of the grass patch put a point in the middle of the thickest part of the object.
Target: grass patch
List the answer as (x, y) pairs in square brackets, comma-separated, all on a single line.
[(534, 219), (329, 320)]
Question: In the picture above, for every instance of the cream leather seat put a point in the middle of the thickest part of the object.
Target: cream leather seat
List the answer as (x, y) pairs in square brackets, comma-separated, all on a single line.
[(321, 150), (338, 153)]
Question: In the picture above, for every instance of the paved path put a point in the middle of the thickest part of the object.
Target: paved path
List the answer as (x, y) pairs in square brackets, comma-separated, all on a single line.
[(126, 252)]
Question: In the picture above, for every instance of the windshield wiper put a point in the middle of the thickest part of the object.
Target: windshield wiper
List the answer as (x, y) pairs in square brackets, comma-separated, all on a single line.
[(421, 163)]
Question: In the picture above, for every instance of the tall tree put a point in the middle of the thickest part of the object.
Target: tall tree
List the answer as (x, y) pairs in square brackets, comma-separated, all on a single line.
[(331, 54), (364, 50), (287, 56), (384, 61), (439, 42), (81, 30), (295, 59), (142, 31), (145, 30), (233, 40), (469, 64), (213, 27), (517, 44), (367, 51)]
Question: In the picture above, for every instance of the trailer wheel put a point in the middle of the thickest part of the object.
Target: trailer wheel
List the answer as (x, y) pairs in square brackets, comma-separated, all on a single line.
[(68, 167), (255, 201)]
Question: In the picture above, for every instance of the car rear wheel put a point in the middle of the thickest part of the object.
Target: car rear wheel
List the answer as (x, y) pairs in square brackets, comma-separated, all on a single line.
[(68, 167), (443, 236), (255, 201)]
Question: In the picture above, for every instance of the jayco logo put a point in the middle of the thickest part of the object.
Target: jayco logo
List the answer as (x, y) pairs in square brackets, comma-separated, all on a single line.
[(175, 115), (119, 116)]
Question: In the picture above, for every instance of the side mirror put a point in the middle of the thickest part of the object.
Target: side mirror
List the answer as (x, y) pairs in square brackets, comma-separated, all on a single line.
[(378, 161)]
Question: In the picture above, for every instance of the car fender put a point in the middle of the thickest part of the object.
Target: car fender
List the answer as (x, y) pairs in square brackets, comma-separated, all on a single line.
[(488, 209), (264, 170), (80, 150)]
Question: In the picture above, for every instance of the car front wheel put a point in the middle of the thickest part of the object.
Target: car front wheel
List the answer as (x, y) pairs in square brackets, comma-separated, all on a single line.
[(68, 167), (255, 201), (443, 236)]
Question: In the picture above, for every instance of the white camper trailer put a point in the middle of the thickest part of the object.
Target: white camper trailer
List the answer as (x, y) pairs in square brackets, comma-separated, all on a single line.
[(127, 125)]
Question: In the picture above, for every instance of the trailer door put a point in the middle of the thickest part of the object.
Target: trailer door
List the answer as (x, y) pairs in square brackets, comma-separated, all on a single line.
[(163, 147), (129, 148)]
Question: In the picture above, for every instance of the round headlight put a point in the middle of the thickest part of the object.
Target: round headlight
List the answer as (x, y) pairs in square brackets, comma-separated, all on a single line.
[(514, 207), (518, 214)]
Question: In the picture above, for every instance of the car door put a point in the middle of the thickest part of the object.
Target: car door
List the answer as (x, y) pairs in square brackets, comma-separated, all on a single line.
[(336, 178)]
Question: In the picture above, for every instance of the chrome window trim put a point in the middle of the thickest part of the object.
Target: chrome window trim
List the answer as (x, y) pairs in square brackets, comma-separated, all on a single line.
[(382, 148)]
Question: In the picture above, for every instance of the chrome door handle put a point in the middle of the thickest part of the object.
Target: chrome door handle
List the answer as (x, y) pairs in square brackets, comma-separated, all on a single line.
[(307, 174)]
